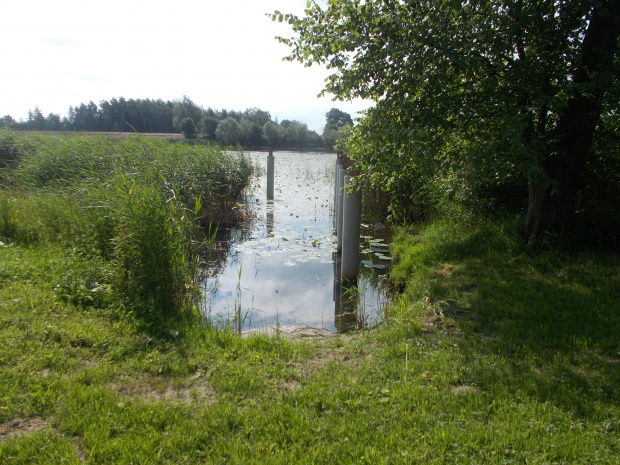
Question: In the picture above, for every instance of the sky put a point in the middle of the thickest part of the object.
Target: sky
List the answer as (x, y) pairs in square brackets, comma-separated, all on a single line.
[(220, 53)]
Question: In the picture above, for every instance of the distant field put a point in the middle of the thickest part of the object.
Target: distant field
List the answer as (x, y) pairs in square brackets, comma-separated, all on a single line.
[(150, 135)]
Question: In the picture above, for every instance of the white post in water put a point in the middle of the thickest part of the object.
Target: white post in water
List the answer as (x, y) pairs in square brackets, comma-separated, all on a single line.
[(338, 165), (337, 205), (352, 217), (339, 217), (270, 165)]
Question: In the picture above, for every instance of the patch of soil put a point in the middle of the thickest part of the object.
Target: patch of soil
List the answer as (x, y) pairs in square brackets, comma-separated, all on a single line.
[(14, 428), (464, 389), (149, 388), (290, 385), (308, 332)]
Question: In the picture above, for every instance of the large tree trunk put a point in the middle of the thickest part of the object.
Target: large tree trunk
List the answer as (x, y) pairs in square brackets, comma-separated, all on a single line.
[(551, 206)]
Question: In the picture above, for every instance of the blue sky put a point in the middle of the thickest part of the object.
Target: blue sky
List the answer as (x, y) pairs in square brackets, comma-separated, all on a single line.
[(220, 53)]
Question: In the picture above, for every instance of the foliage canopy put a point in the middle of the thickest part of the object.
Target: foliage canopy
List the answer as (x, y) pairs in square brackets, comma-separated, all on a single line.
[(503, 88)]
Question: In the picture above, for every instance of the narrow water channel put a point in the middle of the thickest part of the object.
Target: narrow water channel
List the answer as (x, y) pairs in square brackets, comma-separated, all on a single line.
[(279, 269)]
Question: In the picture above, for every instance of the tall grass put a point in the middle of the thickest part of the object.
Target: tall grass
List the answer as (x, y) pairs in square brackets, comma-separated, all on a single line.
[(142, 207), (28, 218)]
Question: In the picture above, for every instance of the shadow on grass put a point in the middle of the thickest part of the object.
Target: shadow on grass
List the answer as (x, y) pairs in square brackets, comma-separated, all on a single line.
[(566, 306), (552, 324), (543, 325)]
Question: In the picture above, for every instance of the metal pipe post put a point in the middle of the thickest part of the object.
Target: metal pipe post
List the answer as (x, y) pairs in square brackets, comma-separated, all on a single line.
[(270, 169), (352, 218), (341, 193), (338, 166)]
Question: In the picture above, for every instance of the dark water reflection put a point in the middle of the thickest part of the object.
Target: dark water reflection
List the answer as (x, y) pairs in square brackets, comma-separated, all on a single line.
[(280, 267)]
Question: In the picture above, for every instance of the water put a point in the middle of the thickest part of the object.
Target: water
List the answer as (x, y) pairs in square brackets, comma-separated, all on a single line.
[(279, 269)]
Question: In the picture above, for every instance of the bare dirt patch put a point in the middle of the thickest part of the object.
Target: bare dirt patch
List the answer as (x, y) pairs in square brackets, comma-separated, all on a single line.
[(324, 355), (308, 332), (309, 367), (153, 388), (464, 389), (294, 333), (321, 340), (14, 428), (290, 385)]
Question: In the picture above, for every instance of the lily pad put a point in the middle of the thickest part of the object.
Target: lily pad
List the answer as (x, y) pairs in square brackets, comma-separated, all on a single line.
[(377, 249), (369, 264)]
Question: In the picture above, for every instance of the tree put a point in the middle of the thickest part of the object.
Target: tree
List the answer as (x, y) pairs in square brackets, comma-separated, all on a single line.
[(257, 116), (36, 120), (208, 126), (335, 121), (53, 122), (250, 133), (188, 128), (273, 133), (338, 118), (185, 108), (7, 121), (331, 135), (227, 131), (497, 87), (84, 117), (296, 134)]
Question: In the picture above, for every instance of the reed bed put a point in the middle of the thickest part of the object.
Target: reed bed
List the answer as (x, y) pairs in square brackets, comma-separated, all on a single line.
[(145, 208)]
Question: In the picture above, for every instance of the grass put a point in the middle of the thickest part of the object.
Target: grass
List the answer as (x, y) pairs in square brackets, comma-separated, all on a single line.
[(491, 354), (101, 386)]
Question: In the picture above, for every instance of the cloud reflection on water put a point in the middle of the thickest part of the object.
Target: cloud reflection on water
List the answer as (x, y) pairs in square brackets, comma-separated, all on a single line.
[(283, 271)]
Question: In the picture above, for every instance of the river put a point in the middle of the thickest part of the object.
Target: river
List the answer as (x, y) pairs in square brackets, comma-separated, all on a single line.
[(280, 266)]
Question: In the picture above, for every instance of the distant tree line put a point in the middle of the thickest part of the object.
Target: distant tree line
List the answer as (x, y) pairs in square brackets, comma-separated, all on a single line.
[(250, 128)]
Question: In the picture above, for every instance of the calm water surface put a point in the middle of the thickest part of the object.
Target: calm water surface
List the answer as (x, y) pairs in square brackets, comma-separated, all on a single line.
[(279, 269)]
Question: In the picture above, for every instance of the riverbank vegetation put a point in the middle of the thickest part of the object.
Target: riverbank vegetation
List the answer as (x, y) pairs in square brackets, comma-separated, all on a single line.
[(135, 214), (474, 364), (250, 128)]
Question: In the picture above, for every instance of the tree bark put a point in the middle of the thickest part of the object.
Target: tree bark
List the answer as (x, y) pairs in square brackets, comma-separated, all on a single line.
[(551, 205)]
